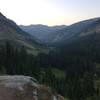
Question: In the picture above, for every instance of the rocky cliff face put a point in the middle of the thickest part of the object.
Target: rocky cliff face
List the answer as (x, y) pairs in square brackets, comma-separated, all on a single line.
[(25, 88)]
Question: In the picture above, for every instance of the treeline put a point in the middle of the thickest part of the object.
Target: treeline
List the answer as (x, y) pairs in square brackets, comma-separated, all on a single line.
[(79, 82), (17, 61), (79, 60), (79, 65)]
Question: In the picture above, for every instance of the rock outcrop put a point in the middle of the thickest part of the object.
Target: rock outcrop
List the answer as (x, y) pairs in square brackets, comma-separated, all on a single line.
[(25, 88)]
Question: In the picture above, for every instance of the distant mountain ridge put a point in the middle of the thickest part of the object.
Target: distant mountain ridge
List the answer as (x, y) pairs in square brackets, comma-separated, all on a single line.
[(59, 35), (78, 30), (33, 36), (43, 32)]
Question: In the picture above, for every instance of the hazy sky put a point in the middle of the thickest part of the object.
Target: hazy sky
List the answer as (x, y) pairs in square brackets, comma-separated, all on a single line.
[(49, 12)]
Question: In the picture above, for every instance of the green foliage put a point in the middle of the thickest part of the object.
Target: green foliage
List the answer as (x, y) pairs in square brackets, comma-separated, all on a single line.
[(69, 72), (58, 73), (17, 61)]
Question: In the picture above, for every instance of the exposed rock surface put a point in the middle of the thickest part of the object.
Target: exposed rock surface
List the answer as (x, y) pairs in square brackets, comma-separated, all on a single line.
[(25, 88)]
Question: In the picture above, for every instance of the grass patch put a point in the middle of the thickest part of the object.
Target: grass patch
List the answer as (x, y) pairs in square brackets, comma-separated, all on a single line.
[(58, 73)]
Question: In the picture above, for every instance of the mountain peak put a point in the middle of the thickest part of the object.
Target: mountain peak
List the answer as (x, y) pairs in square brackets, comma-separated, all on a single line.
[(2, 16)]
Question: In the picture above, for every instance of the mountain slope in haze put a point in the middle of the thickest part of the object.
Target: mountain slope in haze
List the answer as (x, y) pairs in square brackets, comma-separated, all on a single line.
[(42, 32), (9, 31), (62, 34), (77, 30)]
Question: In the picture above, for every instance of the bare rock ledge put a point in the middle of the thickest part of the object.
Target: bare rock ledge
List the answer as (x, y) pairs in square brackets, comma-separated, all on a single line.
[(25, 88)]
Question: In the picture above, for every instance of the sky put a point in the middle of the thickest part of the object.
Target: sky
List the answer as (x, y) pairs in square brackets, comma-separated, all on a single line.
[(49, 12)]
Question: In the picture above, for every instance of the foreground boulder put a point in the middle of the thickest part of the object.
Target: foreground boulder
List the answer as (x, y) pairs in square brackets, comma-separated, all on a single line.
[(25, 88)]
